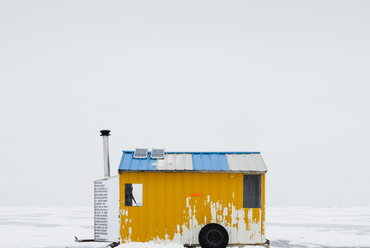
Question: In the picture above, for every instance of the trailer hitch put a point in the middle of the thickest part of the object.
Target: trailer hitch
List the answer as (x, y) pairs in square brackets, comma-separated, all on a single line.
[(113, 244)]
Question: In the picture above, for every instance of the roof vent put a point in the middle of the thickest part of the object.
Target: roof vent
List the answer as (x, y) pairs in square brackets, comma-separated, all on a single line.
[(141, 153), (157, 153)]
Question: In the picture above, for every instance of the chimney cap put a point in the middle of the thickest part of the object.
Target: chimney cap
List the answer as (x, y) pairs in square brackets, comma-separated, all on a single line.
[(105, 132)]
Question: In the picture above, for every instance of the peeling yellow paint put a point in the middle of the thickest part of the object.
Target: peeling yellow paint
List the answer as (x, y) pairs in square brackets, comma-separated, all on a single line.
[(170, 214)]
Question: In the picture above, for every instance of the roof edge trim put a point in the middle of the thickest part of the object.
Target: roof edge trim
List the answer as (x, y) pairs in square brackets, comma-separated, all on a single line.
[(195, 171), (201, 152)]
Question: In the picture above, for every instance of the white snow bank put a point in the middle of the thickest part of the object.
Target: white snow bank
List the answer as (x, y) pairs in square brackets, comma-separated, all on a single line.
[(149, 245), (152, 245)]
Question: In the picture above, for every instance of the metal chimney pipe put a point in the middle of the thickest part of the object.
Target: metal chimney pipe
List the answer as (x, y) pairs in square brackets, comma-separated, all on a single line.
[(105, 134)]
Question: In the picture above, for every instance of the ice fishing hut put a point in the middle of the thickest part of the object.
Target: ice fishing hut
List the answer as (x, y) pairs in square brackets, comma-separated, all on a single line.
[(210, 199)]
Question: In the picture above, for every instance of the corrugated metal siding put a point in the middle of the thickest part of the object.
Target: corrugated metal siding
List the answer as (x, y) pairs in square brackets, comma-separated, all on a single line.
[(215, 161), (171, 214)]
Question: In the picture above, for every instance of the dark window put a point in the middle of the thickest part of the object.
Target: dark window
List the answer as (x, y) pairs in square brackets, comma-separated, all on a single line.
[(252, 191), (133, 194)]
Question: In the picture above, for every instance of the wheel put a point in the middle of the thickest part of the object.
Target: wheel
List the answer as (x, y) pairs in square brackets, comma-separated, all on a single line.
[(213, 236)]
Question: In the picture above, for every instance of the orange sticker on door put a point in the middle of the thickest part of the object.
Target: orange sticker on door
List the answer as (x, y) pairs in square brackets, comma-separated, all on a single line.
[(198, 194)]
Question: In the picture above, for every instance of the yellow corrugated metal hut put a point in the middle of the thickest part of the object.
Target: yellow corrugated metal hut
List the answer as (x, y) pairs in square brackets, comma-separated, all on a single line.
[(212, 199)]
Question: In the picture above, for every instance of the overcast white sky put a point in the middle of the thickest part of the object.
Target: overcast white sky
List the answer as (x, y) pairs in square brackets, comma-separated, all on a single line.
[(287, 78)]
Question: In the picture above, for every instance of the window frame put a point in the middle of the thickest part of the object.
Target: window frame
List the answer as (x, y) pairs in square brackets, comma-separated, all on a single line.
[(133, 198), (252, 191)]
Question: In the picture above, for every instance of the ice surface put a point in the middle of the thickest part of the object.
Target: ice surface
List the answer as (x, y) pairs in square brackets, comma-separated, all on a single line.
[(45, 227), (318, 227), (286, 227)]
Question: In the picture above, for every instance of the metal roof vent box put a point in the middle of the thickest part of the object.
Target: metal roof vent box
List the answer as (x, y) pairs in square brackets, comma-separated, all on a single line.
[(157, 153), (141, 153)]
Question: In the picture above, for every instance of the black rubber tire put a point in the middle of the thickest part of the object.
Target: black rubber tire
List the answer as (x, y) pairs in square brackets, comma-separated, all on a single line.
[(213, 236)]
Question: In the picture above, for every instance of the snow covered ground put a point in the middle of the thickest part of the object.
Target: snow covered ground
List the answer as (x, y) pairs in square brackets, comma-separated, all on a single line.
[(302, 227), (319, 227)]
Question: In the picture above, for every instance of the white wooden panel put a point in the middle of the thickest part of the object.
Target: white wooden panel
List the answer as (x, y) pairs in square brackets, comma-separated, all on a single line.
[(106, 210)]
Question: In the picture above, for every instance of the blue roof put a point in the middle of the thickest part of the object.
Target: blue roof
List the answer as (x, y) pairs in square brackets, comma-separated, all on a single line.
[(128, 162), (194, 161), (210, 161)]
